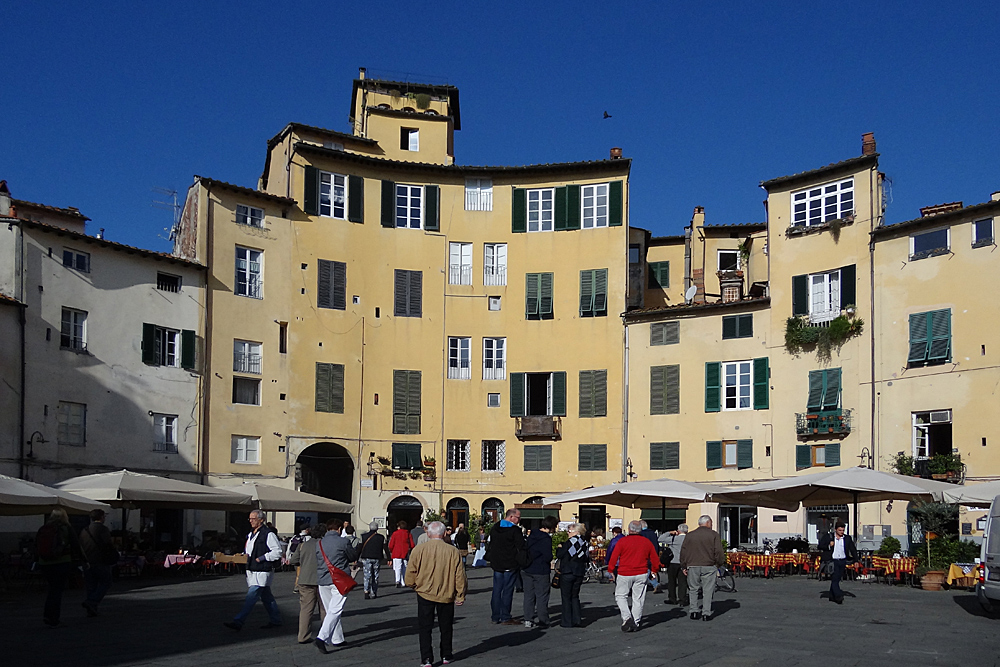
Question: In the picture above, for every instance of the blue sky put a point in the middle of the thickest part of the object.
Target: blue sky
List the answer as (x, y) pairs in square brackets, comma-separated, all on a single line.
[(101, 102)]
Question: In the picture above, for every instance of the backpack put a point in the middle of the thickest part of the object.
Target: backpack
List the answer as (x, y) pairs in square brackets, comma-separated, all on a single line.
[(50, 542)]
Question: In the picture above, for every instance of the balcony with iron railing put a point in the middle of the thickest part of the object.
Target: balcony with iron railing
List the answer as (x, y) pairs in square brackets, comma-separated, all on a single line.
[(538, 426), (244, 362), (823, 423)]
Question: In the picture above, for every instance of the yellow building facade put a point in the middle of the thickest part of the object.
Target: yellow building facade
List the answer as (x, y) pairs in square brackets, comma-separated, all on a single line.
[(405, 334)]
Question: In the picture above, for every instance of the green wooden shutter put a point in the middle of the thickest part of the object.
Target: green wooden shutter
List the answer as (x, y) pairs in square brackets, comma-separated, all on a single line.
[(560, 207), (672, 389), (713, 454), (728, 327), (832, 455), (744, 326), (659, 275), (399, 397), (744, 454), (388, 204), (616, 203), (761, 380), (519, 211), (559, 394), (398, 455), (671, 455), (401, 298), (572, 207), (656, 456), (803, 457), (919, 337), (413, 403), (586, 394), (713, 386), (657, 333), (600, 393), (656, 382), (323, 373), (816, 388), (531, 281), (414, 461), (416, 304), (599, 457), (337, 388), (324, 284), (586, 293), (848, 286), (831, 389), (355, 198), (545, 457), (545, 295), (585, 457), (149, 344), (530, 458), (939, 334), (339, 285), (600, 292), (517, 408), (432, 208), (800, 295), (671, 333), (188, 342), (310, 198)]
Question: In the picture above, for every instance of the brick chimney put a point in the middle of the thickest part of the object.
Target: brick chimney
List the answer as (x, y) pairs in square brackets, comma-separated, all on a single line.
[(940, 208), (4, 199), (868, 143), (698, 275), (616, 153), (995, 196)]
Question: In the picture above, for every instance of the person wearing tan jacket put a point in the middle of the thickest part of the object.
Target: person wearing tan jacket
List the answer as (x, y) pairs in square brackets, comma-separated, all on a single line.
[(436, 573), (701, 555)]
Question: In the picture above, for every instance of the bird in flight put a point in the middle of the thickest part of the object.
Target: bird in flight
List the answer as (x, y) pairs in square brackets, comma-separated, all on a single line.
[(607, 115)]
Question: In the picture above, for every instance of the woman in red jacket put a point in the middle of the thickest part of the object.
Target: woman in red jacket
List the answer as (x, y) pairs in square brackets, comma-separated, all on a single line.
[(400, 545)]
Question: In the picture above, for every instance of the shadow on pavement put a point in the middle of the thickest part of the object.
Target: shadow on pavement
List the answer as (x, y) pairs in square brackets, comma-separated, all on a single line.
[(970, 604), (518, 638)]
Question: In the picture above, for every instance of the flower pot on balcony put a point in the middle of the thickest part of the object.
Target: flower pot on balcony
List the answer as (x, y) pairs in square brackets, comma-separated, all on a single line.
[(429, 478), (933, 580), (939, 475)]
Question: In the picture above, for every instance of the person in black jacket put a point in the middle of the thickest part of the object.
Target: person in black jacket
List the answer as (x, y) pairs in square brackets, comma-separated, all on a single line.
[(506, 554), (372, 549), (839, 548), (536, 575), (572, 556)]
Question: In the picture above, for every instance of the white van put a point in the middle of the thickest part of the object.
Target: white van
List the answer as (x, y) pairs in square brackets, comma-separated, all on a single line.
[(988, 588)]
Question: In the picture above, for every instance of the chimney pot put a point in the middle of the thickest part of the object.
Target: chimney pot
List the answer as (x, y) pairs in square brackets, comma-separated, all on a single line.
[(699, 209), (995, 196), (616, 153), (868, 143), (361, 73)]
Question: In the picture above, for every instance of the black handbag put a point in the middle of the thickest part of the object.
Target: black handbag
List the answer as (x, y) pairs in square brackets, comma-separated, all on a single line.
[(555, 578)]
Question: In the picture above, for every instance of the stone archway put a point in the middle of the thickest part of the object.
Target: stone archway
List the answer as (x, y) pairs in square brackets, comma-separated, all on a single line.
[(403, 508), (326, 469), (492, 510), (457, 512)]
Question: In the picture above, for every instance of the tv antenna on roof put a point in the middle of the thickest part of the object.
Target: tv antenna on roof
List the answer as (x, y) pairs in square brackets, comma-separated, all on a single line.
[(689, 294), (171, 206)]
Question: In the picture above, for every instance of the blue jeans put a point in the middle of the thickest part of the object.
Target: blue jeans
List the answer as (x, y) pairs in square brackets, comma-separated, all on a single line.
[(98, 580), (262, 593), (503, 595)]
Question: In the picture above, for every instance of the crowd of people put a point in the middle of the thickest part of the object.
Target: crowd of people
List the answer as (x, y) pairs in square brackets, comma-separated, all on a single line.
[(432, 560)]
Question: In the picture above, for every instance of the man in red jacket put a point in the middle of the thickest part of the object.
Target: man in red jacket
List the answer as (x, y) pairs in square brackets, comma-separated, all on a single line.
[(632, 560)]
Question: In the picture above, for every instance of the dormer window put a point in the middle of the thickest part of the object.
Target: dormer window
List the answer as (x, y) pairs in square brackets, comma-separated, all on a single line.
[(831, 201)]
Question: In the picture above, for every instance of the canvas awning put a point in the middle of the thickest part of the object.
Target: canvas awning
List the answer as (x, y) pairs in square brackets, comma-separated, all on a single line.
[(128, 489), (654, 493), (278, 499), (972, 495), (20, 497)]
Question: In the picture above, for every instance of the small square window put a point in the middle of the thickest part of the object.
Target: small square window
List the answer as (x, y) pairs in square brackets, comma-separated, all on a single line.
[(729, 450), (356, 299), (168, 283), (819, 456), (75, 259), (493, 400), (729, 260), (982, 233), (929, 244), (246, 391), (249, 215), (494, 303), (409, 139)]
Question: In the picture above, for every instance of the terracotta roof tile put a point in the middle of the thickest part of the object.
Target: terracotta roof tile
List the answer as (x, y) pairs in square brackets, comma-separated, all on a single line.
[(72, 212), (247, 191), (813, 173), (697, 307), (9, 301)]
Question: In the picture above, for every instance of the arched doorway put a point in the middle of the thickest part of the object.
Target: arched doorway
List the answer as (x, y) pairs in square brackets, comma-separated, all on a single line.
[(326, 469), (457, 512), (492, 510), (403, 508)]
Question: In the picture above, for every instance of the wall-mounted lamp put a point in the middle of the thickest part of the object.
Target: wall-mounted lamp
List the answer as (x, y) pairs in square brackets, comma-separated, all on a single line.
[(31, 440)]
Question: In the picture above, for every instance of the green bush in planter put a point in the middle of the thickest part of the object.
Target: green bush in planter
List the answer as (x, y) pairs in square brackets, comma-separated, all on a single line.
[(889, 547), (557, 539)]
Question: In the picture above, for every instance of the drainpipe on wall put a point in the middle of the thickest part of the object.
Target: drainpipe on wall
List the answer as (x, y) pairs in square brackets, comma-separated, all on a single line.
[(871, 310), (210, 263), (625, 390), (21, 321), (687, 258)]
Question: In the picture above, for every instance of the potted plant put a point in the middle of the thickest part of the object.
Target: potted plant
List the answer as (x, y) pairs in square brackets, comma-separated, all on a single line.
[(890, 547), (387, 472), (384, 460), (902, 464), (934, 556), (429, 461), (414, 474), (429, 474)]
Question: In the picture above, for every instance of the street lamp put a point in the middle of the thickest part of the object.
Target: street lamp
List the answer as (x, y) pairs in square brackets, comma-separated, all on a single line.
[(31, 440)]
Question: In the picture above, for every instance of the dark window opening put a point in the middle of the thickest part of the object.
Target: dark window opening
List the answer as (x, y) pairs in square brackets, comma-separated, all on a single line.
[(538, 393)]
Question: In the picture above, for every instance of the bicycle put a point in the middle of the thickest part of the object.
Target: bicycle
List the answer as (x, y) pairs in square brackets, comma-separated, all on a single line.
[(594, 572), (725, 581)]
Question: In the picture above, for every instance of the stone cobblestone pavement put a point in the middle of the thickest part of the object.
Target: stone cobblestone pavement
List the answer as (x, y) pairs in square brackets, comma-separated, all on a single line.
[(177, 621)]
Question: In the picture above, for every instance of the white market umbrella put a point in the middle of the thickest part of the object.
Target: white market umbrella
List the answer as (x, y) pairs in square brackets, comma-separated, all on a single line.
[(972, 495), (654, 493), (277, 499), (19, 497), (838, 487), (127, 489)]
